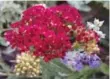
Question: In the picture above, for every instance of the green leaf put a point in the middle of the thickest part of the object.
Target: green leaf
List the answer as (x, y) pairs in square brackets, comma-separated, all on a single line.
[(104, 68), (60, 67), (3, 42), (0, 32), (57, 77), (20, 77), (73, 75), (46, 74), (52, 69), (12, 77), (86, 73), (47, 71), (4, 66)]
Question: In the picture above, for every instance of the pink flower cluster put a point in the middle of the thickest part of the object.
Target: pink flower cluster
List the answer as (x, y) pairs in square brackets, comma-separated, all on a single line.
[(86, 36)]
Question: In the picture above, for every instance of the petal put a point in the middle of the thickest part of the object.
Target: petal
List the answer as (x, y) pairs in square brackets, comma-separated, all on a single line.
[(101, 23), (96, 21), (90, 25)]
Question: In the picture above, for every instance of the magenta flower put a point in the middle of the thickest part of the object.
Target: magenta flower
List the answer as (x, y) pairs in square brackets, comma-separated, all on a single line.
[(43, 29)]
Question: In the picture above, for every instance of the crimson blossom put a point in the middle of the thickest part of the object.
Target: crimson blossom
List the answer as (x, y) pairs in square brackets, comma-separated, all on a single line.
[(45, 30)]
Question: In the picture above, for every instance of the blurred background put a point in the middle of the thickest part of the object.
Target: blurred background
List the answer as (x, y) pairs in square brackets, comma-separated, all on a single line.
[(10, 11)]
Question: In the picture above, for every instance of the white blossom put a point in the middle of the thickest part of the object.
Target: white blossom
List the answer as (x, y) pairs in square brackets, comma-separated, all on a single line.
[(90, 25), (96, 27), (98, 23)]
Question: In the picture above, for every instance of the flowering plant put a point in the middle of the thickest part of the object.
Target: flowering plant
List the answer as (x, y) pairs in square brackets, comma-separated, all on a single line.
[(56, 32)]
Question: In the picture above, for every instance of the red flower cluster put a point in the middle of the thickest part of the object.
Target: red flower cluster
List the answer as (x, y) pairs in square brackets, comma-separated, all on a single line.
[(44, 29), (86, 36)]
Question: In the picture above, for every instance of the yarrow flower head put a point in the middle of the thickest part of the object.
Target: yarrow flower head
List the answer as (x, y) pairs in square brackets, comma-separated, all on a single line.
[(44, 29), (27, 65)]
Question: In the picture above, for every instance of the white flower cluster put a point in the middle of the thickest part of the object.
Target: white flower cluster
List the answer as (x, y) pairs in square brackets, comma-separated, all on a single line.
[(96, 27)]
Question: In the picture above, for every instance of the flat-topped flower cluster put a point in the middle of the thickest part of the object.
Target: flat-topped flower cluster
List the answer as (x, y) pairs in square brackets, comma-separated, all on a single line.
[(49, 32)]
